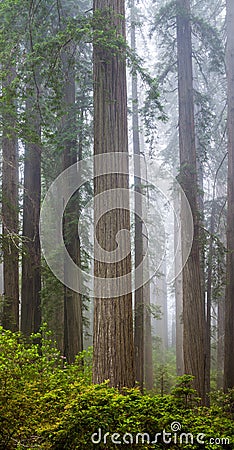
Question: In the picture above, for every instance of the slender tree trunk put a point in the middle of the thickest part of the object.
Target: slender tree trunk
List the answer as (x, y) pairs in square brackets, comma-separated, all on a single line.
[(220, 343), (148, 360), (148, 344), (178, 294), (138, 237), (229, 309), (209, 297), (73, 326), (161, 302), (53, 312), (10, 319), (31, 258), (193, 299), (113, 357), (206, 285), (165, 308)]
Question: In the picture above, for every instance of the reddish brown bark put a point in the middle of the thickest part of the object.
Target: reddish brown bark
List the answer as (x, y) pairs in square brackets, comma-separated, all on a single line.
[(113, 322), (193, 299)]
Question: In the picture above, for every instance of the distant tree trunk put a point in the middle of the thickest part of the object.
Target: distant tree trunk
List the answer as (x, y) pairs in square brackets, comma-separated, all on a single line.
[(173, 334), (161, 302), (73, 327), (229, 309), (220, 341), (209, 296), (53, 313), (148, 360), (148, 344), (148, 347), (31, 258), (206, 284), (178, 294), (10, 318), (193, 299), (138, 236), (165, 307), (113, 357)]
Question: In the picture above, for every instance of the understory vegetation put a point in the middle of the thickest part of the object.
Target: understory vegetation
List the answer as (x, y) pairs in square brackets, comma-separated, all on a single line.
[(46, 403)]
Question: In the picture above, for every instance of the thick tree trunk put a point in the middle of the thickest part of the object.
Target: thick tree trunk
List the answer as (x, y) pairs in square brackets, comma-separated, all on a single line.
[(10, 319), (229, 309), (113, 357), (193, 299), (31, 259), (73, 326)]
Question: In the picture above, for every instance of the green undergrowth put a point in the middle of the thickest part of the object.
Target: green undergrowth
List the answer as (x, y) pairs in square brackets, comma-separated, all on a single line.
[(47, 404)]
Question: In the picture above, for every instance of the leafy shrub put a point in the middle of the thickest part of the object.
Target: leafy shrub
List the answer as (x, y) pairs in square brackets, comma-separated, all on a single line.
[(46, 404), (29, 372), (99, 410)]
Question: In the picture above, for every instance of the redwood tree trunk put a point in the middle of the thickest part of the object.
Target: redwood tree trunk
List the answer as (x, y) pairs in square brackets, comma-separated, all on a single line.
[(229, 309), (31, 258), (148, 359), (161, 302), (178, 293), (193, 299), (73, 327), (113, 323), (10, 319), (220, 341), (209, 295)]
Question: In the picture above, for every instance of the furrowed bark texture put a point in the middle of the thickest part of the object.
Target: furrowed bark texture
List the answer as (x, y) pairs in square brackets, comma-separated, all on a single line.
[(193, 300), (31, 259), (73, 326), (113, 324)]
